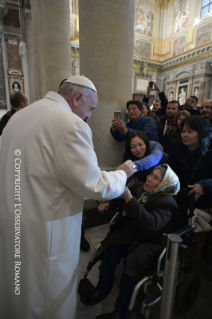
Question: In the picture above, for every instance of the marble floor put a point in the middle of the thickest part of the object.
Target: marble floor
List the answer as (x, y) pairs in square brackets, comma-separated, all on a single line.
[(201, 309)]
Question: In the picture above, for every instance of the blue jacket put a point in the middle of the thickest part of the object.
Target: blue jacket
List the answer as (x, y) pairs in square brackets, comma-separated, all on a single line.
[(154, 158), (144, 124), (146, 164)]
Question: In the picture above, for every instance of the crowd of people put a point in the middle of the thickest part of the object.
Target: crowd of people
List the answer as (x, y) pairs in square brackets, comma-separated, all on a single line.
[(181, 167), (46, 177)]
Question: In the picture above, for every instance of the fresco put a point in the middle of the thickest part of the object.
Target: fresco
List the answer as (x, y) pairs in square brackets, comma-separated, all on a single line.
[(179, 45), (204, 34), (182, 15), (144, 19), (143, 48)]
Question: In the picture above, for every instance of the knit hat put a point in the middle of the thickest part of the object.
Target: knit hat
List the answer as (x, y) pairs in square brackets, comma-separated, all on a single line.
[(82, 81)]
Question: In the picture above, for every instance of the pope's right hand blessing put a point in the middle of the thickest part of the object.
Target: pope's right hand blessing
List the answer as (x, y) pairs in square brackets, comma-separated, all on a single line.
[(129, 167)]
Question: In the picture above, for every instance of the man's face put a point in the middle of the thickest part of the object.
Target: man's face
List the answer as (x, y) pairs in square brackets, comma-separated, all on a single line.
[(156, 106), (193, 103), (205, 109), (133, 112), (86, 103), (188, 105), (171, 110)]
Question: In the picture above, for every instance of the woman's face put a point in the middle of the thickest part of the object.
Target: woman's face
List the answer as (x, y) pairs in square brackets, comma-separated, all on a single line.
[(137, 147), (144, 110), (190, 137), (180, 119), (152, 181)]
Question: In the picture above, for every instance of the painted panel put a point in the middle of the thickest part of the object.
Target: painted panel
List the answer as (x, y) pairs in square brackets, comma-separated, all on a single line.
[(143, 48), (182, 15), (179, 45), (204, 34), (144, 19)]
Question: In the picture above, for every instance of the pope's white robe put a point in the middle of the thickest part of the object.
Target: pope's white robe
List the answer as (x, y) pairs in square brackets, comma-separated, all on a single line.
[(41, 199)]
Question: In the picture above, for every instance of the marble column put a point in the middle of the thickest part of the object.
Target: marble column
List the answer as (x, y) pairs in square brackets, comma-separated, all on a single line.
[(48, 44), (106, 31)]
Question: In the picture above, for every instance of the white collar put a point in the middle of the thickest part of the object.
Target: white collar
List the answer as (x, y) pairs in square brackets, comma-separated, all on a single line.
[(57, 97)]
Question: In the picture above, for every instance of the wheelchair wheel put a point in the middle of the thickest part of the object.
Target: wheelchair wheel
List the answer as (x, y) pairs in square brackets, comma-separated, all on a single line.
[(187, 292)]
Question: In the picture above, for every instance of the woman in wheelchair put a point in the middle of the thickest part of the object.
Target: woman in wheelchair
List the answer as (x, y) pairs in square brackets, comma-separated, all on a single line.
[(151, 211)]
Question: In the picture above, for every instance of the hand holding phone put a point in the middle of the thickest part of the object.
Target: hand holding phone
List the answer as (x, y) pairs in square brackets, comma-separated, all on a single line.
[(152, 85)]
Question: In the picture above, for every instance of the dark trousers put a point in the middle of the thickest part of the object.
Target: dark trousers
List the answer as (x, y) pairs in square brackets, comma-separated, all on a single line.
[(111, 259)]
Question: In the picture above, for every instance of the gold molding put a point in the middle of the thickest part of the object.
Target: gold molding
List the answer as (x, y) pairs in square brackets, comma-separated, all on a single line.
[(176, 65), (137, 65), (75, 53), (163, 4), (190, 60)]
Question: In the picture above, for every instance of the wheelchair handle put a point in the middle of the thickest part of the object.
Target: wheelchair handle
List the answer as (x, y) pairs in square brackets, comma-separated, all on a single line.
[(159, 262)]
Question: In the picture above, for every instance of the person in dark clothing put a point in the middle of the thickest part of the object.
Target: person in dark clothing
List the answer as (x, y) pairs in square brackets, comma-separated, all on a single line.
[(205, 110), (151, 210), (191, 106), (138, 122), (18, 101), (148, 112), (168, 120), (173, 136), (192, 159), (159, 106)]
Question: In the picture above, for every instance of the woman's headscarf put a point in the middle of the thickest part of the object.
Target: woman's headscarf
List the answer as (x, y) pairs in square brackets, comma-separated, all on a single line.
[(169, 185)]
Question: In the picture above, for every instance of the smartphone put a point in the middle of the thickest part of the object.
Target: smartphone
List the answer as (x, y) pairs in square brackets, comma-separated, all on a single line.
[(117, 115), (151, 84)]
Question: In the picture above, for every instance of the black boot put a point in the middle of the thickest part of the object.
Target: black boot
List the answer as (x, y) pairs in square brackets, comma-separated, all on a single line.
[(93, 298)]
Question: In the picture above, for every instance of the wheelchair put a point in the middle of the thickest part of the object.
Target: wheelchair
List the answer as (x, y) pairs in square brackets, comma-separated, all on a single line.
[(188, 282)]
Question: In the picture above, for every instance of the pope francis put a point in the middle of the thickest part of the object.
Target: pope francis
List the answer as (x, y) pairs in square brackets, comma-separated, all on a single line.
[(47, 167)]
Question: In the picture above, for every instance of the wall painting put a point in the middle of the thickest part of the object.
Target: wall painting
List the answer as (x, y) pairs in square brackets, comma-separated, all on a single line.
[(179, 45), (182, 15), (144, 19), (143, 48)]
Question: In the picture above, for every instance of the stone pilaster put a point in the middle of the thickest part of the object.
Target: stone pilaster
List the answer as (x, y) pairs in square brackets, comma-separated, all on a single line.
[(48, 44), (106, 31)]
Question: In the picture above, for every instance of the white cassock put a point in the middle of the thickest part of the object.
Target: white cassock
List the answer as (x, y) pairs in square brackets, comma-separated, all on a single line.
[(41, 200)]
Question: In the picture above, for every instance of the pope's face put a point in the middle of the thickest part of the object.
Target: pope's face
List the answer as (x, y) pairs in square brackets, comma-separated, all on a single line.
[(86, 104)]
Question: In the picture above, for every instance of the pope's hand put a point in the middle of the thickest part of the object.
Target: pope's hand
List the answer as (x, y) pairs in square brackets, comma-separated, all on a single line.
[(129, 167)]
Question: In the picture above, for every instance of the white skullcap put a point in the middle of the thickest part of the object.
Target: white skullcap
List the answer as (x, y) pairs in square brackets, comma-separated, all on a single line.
[(82, 81)]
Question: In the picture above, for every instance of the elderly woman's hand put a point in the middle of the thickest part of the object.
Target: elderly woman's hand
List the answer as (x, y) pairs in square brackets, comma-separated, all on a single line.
[(127, 194), (197, 189), (103, 207)]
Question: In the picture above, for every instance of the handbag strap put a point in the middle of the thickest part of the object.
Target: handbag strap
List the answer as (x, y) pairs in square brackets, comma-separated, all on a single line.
[(195, 169)]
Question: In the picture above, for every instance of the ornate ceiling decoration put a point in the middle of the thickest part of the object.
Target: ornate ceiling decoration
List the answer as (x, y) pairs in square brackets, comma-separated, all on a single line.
[(163, 4)]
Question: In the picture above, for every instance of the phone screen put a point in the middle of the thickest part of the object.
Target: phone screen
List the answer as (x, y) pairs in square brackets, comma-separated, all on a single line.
[(151, 84), (117, 115)]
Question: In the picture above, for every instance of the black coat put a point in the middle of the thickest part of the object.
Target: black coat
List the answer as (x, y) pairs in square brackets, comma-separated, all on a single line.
[(183, 162), (144, 228), (5, 119)]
